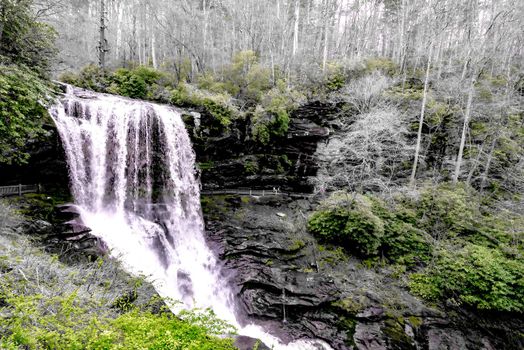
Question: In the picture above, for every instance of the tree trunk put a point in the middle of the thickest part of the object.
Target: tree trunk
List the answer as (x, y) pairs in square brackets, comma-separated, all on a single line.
[(421, 120), (153, 51), (295, 33), (488, 164), (464, 131), (326, 40), (103, 42)]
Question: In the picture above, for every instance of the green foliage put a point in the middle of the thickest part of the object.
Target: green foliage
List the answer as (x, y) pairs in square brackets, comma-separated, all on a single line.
[(385, 65), (91, 77), (271, 117), (61, 322), (208, 82), (373, 227), (335, 79), (23, 95), (24, 40), (36, 206), (251, 166), (403, 242), (477, 276), (218, 105), (245, 78), (353, 226), (140, 82), (217, 110), (447, 209)]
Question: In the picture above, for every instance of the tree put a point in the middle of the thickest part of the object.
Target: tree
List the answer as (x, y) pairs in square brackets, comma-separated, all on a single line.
[(421, 120), (102, 44), (23, 40), (369, 155)]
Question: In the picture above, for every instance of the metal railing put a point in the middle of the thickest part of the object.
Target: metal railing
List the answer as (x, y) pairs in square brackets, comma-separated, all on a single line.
[(18, 190), (250, 192)]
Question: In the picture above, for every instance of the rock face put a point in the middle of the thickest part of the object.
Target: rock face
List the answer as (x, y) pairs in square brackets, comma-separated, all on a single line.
[(298, 289), (229, 158), (47, 165), (66, 235)]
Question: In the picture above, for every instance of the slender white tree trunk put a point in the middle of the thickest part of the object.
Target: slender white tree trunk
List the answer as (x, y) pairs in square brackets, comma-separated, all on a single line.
[(295, 32), (153, 50), (421, 119), (458, 164)]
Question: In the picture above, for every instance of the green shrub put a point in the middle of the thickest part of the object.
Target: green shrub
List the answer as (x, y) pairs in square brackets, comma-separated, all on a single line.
[(218, 105), (355, 227), (271, 117), (127, 84), (448, 210), (63, 323), (335, 79), (90, 77), (403, 242), (245, 78), (23, 96), (218, 111), (385, 65), (251, 166), (207, 81), (477, 276), (139, 82), (24, 41)]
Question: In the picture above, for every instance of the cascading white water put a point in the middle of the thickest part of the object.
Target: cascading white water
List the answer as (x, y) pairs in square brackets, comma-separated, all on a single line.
[(132, 171)]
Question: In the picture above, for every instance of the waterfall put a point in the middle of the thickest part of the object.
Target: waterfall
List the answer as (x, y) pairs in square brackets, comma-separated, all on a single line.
[(132, 174)]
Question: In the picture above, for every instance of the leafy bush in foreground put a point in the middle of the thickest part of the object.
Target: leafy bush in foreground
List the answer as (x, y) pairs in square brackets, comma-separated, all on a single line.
[(62, 322)]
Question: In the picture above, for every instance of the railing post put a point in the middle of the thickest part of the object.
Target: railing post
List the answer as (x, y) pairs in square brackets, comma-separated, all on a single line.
[(19, 189)]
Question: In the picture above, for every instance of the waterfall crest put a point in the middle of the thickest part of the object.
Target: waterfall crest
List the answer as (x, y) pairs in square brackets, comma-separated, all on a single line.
[(132, 173)]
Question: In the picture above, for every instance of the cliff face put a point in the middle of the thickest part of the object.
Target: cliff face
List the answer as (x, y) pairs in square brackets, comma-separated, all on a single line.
[(299, 288), (47, 165), (231, 159)]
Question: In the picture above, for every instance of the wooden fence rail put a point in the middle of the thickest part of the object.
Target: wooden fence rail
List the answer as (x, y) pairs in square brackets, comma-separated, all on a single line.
[(18, 190), (249, 192)]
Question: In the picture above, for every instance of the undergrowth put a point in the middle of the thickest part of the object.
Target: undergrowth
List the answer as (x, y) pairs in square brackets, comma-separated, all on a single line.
[(46, 304)]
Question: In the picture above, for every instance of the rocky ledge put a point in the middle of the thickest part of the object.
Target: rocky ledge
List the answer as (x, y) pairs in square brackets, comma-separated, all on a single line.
[(299, 289), (230, 158)]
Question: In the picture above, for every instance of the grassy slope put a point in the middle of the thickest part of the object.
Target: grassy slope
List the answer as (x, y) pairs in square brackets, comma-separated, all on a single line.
[(45, 304)]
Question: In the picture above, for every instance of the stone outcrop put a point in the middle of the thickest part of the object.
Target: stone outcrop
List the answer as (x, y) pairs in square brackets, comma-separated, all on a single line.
[(298, 288), (229, 158)]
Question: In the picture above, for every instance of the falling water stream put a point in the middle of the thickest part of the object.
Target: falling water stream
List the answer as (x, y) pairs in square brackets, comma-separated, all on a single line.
[(132, 173)]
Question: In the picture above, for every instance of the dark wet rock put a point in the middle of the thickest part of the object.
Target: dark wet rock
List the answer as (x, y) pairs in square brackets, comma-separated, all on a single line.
[(40, 227), (229, 158), (47, 165), (248, 343), (66, 212), (369, 337), (445, 339), (298, 289)]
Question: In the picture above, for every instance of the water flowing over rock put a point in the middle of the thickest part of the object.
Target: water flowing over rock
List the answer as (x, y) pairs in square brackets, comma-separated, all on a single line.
[(132, 174)]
